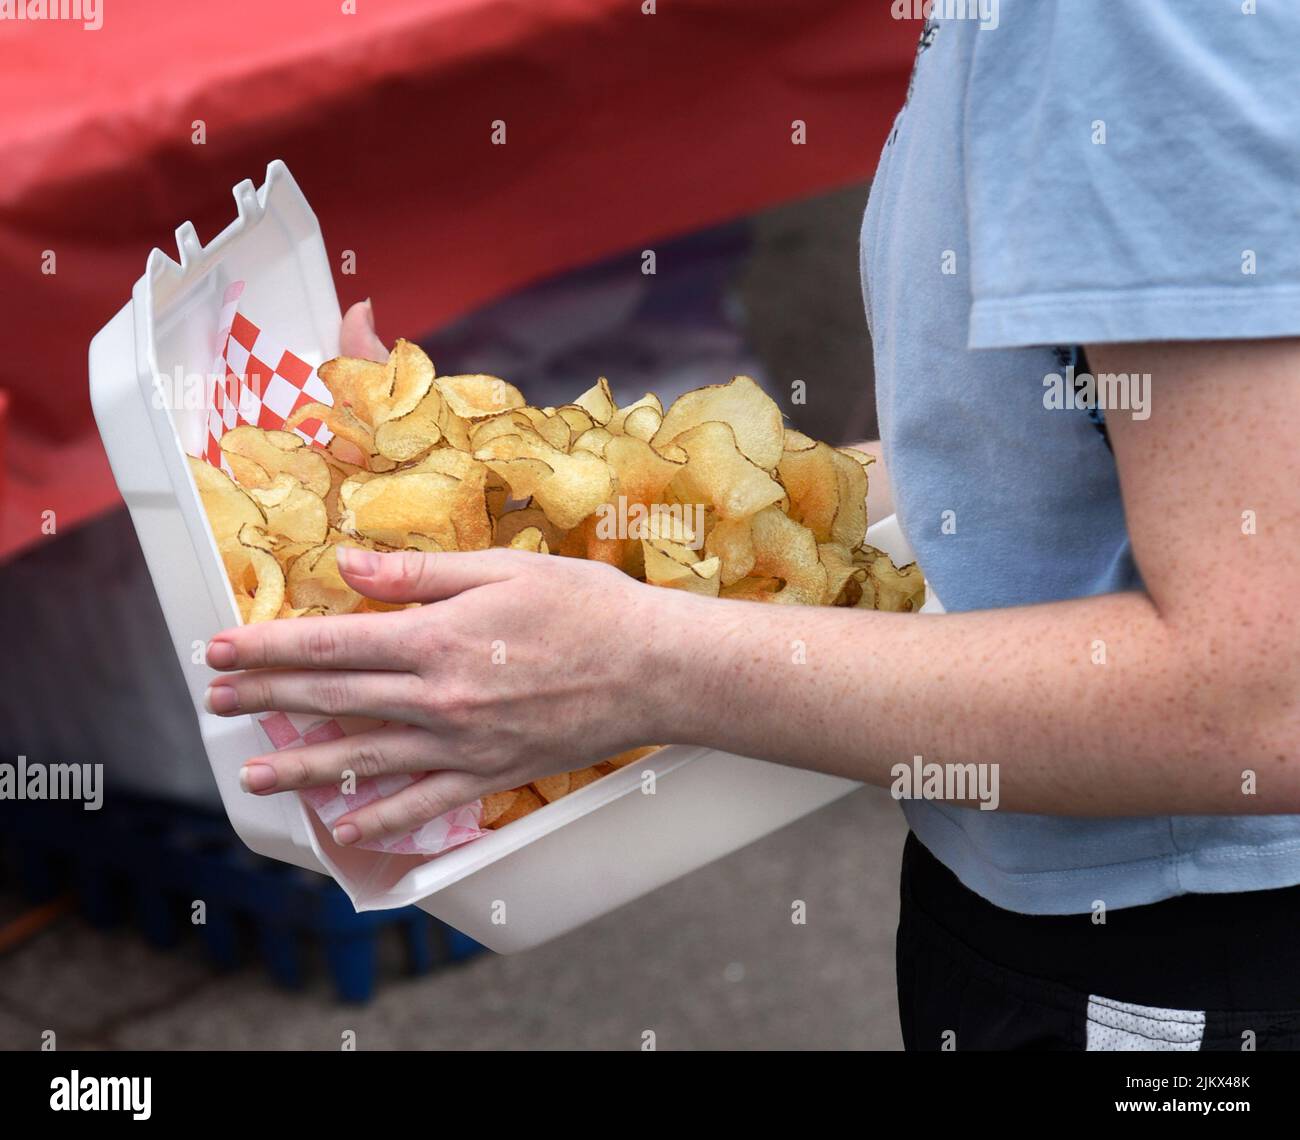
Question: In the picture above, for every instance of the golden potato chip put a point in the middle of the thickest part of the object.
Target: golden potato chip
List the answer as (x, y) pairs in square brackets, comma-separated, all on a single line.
[(677, 567), (359, 386), (265, 454), (718, 475), (551, 788), (598, 402), (568, 487), (227, 505), (342, 421), (410, 376), (578, 419), (894, 589), (495, 805), (255, 575), (582, 777), (292, 511), (784, 549), (752, 415), (478, 397), (644, 412), (642, 474), (838, 564), (730, 540), (827, 491), (524, 802), (410, 435), (524, 518), (643, 423), (752, 590), (593, 440), (314, 582), (530, 539), (589, 540)]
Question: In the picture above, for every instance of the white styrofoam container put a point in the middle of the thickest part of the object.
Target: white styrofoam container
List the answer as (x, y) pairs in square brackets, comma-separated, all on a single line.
[(571, 861)]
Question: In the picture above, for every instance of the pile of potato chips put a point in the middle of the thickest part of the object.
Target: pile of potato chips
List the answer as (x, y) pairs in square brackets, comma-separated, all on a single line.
[(714, 495)]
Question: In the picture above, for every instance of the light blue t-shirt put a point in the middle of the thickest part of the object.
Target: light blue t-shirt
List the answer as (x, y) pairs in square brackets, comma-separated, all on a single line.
[(1083, 172)]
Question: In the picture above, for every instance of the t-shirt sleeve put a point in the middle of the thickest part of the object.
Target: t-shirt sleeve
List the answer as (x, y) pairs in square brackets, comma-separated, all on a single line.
[(1136, 175)]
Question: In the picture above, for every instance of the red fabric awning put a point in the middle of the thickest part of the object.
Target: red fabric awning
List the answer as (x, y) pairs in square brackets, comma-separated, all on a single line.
[(621, 128)]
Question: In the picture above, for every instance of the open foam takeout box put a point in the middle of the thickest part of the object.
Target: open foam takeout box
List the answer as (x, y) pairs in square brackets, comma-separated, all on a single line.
[(566, 863)]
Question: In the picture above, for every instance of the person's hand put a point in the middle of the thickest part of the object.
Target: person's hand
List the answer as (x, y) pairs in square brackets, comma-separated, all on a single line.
[(518, 666)]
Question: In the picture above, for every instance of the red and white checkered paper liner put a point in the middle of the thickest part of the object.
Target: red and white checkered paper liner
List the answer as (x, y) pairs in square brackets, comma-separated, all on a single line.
[(257, 380)]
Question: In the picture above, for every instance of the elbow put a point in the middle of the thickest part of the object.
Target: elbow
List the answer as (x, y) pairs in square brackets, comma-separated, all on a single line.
[(1248, 735)]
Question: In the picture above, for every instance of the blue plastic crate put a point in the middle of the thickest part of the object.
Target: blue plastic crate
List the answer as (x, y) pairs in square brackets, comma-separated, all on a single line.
[(148, 861)]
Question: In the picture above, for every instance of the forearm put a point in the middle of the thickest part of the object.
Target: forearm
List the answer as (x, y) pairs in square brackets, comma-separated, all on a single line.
[(1088, 707)]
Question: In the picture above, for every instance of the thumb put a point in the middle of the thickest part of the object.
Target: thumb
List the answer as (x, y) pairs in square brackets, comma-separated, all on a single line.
[(358, 337), (412, 576)]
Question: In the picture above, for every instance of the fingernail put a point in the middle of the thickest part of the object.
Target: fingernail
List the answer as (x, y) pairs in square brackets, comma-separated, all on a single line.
[(346, 833), (357, 560), (221, 699), (221, 655), (257, 777)]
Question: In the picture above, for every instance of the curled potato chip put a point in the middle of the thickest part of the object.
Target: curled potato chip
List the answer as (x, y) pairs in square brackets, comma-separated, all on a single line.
[(292, 511), (477, 397), (642, 474), (593, 540), (718, 475), (410, 376), (405, 508), (227, 505), (568, 487), (827, 490), (257, 456), (677, 567), (361, 386), (751, 413), (525, 518), (551, 788), (342, 421), (730, 540), (837, 561), (593, 439), (598, 402), (413, 433), (495, 805), (522, 801), (314, 582), (530, 538), (255, 576), (752, 590), (644, 412), (894, 589), (784, 549)]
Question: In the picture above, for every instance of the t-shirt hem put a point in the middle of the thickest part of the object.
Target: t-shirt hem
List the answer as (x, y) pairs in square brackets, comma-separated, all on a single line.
[(1136, 882), (1116, 316)]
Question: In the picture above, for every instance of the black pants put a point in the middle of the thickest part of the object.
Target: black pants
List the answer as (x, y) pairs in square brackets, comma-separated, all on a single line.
[(1195, 972)]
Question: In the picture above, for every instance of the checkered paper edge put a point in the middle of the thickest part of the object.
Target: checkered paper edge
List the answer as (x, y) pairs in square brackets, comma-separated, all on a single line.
[(287, 730), (257, 380), (246, 388)]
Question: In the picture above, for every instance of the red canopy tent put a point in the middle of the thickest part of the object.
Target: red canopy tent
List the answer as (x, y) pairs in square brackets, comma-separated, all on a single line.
[(621, 127)]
